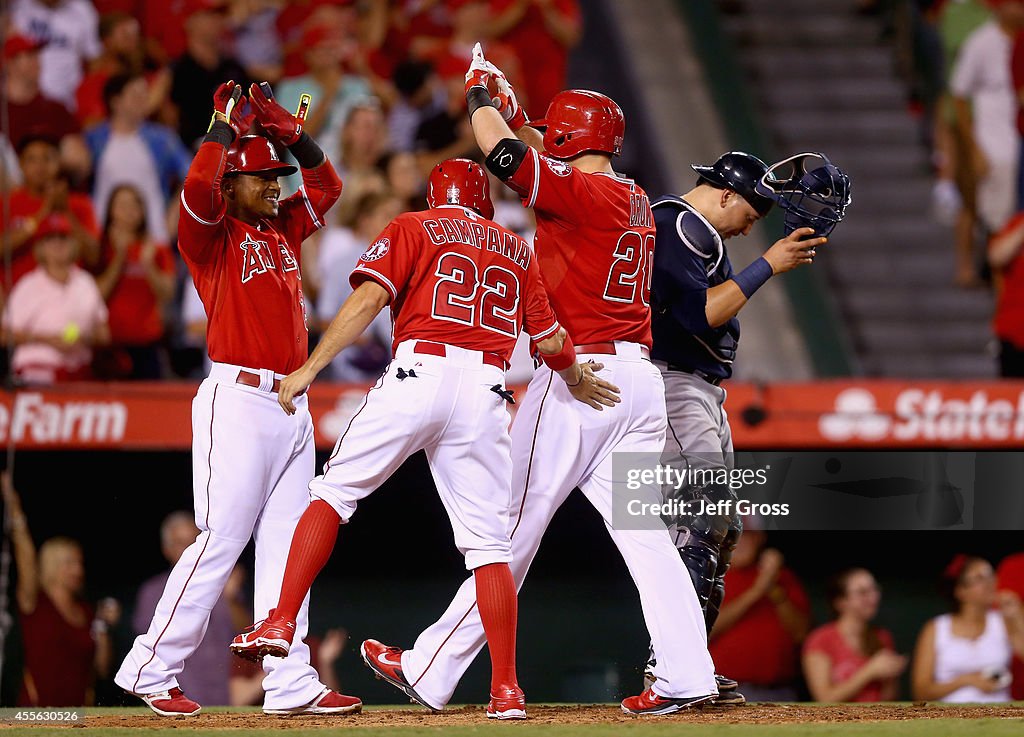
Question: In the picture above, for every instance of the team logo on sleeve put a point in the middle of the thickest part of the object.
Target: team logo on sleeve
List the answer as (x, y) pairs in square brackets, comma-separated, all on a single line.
[(558, 167), (377, 250)]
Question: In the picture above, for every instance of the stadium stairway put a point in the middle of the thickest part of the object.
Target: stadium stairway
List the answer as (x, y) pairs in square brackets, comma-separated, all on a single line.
[(823, 78)]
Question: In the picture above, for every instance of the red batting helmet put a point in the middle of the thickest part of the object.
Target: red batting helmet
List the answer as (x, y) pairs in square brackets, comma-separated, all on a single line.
[(580, 121), (460, 182), (253, 154)]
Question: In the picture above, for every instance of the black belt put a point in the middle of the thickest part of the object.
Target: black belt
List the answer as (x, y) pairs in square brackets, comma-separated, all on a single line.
[(713, 380)]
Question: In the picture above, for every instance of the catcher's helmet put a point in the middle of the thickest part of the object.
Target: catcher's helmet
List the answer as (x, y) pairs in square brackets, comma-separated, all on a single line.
[(812, 190), (460, 182), (739, 172), (581, 121), (254, 154)]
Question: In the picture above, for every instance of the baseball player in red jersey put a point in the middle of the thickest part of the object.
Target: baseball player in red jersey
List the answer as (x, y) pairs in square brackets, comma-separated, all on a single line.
[(594, 245), (250, 462), (461, 289)]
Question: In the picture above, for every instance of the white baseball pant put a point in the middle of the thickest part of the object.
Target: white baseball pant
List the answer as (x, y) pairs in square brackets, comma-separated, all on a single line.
[(557, 445), (251, 464), (446, 405)]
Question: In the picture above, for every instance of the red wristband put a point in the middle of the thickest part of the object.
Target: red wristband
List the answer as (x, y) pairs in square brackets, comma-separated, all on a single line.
[(563, 359)]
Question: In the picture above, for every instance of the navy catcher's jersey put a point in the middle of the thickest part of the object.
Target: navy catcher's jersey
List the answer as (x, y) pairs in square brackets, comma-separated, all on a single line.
[(689, 259)]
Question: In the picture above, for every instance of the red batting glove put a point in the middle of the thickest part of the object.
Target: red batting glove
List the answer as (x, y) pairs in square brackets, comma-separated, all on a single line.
[(225, 98), (279, 124), (242, 123)]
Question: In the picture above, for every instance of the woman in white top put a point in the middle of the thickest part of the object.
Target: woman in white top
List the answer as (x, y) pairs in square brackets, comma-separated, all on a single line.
[(965, 656)]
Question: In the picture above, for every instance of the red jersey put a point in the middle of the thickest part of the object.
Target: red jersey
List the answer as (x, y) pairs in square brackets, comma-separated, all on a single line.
[(135, 315), (455, 277), (24, 205), (1010, 576), (760, 630), (58, 656), (1008, 321), (595, 245), (543, 59), (844, 661), (248, 275)]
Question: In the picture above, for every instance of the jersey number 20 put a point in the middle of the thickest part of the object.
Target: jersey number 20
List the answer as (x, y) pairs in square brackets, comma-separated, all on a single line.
[(462, 296), (632, 266)]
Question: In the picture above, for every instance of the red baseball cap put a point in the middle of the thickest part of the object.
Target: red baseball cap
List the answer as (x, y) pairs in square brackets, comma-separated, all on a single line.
[(15, 45), (53, 224)]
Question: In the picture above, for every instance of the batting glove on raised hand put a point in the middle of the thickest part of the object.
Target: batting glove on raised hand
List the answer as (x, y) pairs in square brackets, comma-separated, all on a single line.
[(479, 75), (279, 124), (225, 98), (505, 101), (243, 122)]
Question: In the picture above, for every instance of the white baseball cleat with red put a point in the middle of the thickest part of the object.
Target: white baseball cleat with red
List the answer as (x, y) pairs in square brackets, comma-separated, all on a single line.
[(328, 702), (172, 703)]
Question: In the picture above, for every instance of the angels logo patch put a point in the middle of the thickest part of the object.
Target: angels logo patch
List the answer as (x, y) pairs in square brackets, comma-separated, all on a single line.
[(558, 167), (377, 250)]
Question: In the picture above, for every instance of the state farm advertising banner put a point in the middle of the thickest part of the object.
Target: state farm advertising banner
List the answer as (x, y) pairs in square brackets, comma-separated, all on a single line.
[(822, 414)]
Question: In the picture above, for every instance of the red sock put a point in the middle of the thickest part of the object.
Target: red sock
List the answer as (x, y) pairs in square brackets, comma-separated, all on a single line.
[(497, 601), (312, 544)]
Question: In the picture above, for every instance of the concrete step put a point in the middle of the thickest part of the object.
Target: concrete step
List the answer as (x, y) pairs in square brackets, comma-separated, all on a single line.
[(871, 229), (836, 94), (773, 62), (936, 365), (896, 270), (866, 128), (961, 336), (821, 30), (881, 162), (790, 8), (882, 303)]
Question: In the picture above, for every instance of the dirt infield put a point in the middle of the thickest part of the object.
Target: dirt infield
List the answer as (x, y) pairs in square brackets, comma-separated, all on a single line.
[(759, 714)]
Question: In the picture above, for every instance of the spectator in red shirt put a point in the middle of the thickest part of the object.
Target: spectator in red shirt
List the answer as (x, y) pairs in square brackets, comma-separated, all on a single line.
[(1010, 577), (30, 114), (541, 32), (66, 644), (164, 25), (43, 192), (137, 282), (123, 53), (850, 659), (1004, 255), (766, 612)]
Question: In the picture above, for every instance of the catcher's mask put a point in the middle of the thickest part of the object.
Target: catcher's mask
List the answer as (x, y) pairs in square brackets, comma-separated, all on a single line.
[(812, 191)]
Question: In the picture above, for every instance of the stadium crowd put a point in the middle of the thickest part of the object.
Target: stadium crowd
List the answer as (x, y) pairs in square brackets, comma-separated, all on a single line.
[(965, 63), (107, 101), (973, 653)]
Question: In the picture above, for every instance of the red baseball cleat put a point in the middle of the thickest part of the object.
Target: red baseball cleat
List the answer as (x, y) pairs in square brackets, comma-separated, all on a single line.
[(386, 663), (173, 703), (651, 703), (508, 703), (328, 702), (269, 637)]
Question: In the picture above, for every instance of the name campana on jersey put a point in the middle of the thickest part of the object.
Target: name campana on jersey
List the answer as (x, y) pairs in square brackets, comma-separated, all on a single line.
[(470, 233)]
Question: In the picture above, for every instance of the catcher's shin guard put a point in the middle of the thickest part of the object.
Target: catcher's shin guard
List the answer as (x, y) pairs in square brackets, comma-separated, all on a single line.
[(717, 594)]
